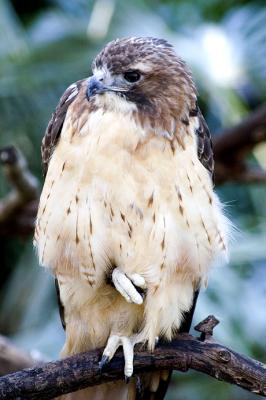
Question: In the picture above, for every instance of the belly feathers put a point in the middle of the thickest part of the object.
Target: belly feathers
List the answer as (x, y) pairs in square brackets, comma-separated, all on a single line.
[(107, 201)]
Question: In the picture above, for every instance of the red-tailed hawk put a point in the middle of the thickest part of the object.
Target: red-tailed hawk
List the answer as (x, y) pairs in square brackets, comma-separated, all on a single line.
[(128, 221)]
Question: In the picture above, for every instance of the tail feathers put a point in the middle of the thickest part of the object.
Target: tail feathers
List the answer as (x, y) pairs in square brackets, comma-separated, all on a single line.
[(118, 390), (154, 386), (157, 386), (147, 386)]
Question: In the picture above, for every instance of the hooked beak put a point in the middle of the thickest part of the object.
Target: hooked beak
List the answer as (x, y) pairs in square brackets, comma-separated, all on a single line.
[(95, 87)]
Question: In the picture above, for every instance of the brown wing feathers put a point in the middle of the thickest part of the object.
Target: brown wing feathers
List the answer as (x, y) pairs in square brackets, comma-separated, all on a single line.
[(55, 124), (205, 150), (49, 141)]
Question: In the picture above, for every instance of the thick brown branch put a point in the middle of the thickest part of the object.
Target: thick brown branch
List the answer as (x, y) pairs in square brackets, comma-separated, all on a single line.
[(54, 378), (232, 145), (18, 208)]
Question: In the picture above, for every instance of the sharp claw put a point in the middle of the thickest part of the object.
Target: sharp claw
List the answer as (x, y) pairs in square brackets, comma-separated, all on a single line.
[(104, 361), (142, 292), (128, 343)]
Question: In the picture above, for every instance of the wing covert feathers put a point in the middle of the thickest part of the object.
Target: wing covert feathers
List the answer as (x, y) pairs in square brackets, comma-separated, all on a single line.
[(205, 149), (56, 123)]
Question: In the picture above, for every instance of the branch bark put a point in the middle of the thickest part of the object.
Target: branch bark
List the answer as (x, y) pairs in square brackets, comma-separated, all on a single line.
[(232, 146), (18, 209), (186, 352)]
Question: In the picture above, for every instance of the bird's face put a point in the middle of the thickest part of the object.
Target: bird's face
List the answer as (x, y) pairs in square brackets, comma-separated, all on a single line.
[(145, 74)]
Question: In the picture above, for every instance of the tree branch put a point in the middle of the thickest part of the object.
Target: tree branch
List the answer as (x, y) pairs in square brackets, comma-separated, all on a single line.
[(186, 352), (18, 209), (232, 145)]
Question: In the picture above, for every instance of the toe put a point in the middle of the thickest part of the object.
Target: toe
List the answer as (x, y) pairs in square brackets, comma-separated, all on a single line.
[(104, 361), (125, 287), (128, 349), (138, 281), (113, 343)]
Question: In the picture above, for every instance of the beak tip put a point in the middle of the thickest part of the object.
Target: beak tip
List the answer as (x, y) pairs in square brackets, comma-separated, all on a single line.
[(94, 87)]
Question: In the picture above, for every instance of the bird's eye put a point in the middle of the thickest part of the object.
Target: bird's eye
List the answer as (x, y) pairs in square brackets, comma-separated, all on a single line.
[(132, 76)]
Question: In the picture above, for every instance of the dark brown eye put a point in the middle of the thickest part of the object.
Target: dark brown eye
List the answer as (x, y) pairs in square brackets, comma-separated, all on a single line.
[(132, 76)]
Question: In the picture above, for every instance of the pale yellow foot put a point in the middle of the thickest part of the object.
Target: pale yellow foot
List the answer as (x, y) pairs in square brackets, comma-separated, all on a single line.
[(126, 285), (114, 342)]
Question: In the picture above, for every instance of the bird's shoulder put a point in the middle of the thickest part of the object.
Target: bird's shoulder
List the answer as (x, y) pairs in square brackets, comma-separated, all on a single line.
[(56, 122), (204, 141)]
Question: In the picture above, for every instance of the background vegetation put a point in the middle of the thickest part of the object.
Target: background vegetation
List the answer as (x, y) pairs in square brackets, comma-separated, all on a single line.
[(46, 45)]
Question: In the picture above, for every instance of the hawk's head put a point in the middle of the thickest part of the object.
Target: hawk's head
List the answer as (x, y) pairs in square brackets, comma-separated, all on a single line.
[(145, 73)]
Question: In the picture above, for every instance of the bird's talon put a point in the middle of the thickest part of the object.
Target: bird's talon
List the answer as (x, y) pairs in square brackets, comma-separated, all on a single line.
[(131, 287), (142, 292), (104, 361), (127, 379), (128, 343)]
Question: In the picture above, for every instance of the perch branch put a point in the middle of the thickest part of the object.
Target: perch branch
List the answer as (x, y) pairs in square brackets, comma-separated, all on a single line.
[(232, 145), (186, 352), (18, 208)]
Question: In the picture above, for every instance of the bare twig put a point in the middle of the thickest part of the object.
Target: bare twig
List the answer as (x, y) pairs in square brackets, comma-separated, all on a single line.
[(58, 377), (206, 327), (18, 208)]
